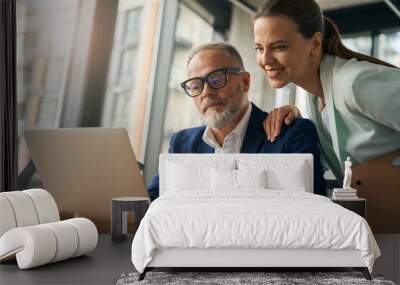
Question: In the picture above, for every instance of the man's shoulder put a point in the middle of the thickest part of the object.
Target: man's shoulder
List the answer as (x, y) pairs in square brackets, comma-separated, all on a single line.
[(188, 135), (190, 131), (299, 137), (298, 125), (302, 122)]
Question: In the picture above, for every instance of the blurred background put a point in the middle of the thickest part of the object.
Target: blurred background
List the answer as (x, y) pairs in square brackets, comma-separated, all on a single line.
[(118, 63)]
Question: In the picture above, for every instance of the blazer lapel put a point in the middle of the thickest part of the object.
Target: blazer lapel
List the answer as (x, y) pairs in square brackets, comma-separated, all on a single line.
[(204, 148), (255, 135), (327, 67)]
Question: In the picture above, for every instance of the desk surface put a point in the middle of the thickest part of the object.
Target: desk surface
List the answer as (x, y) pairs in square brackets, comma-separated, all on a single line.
[(102, 266)]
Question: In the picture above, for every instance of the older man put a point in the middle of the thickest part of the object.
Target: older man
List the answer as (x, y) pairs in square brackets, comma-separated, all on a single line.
[(219, 85)]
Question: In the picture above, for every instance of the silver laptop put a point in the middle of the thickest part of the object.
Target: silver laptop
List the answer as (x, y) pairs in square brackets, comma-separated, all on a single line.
[(84, 168)]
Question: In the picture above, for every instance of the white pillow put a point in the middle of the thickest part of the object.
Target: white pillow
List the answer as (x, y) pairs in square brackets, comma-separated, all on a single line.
[(292, 179), (184, 175), (223, 179), (236, 179), (251, 178), (281, 174)]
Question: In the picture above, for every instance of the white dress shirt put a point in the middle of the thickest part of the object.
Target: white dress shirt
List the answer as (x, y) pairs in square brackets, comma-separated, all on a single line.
[(233, 141)]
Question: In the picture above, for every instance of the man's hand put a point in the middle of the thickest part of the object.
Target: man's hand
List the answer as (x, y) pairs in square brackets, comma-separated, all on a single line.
[(273, 122)]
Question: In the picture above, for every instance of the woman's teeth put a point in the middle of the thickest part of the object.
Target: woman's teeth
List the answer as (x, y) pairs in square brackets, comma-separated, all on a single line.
[(272, 73)]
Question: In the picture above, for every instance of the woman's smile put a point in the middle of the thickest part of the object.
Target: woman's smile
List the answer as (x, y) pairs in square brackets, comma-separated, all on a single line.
[(274, 72)]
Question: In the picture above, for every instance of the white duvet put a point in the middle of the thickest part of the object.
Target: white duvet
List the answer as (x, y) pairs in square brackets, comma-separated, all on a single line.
[(253, 218)]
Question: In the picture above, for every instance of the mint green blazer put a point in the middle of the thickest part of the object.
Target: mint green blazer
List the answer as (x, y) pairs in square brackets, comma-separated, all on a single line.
[(363, 101)]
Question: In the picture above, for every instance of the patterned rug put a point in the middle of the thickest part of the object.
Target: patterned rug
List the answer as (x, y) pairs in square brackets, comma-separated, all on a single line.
[(243, 278)]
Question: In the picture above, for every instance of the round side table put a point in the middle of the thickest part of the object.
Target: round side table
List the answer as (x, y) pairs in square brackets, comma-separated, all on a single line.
[(119, 219)]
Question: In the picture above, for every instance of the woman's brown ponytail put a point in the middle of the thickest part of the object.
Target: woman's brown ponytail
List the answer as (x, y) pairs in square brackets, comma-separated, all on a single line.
[(332, 44)]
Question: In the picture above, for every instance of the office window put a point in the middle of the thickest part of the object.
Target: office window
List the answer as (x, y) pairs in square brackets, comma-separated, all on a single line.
[(361, 44), (389, 47), (121, 77), (45, 32), (62, 57), (191, 30)]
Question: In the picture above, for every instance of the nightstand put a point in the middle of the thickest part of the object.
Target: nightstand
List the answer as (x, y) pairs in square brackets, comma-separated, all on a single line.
[(120, 208), (358, 205)]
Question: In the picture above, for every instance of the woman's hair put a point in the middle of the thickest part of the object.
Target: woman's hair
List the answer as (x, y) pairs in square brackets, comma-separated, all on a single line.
[(307, 16)]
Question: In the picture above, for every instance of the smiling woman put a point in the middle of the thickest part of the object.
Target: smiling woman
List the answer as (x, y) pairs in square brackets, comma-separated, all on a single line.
[(296, 43), (351, 98), (283, 53)]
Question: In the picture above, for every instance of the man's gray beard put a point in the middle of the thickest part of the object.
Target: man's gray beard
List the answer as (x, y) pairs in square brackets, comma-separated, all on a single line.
[(220, 120)]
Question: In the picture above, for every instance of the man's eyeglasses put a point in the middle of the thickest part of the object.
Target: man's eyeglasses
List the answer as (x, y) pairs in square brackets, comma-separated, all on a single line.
[(216, 79)]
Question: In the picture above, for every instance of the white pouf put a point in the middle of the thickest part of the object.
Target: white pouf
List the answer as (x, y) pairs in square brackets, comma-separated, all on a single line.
[(31, 230)]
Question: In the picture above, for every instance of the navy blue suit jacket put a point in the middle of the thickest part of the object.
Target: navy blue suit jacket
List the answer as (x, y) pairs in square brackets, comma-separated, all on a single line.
[(299, 137)]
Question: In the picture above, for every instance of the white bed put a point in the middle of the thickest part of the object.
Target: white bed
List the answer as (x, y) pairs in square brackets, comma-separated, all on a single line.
[(221, 211)]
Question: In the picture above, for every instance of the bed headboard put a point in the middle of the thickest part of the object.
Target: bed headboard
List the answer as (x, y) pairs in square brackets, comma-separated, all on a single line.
[(290, 168)]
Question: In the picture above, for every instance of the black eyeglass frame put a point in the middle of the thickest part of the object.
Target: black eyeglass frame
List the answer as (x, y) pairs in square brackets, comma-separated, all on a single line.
[(226, 71)]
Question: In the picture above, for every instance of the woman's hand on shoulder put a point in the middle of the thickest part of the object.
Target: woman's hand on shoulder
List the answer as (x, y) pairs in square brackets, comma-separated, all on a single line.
[(273, 122)]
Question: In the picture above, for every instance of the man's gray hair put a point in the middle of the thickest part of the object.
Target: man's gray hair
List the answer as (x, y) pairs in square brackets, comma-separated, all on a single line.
[(229, 50)]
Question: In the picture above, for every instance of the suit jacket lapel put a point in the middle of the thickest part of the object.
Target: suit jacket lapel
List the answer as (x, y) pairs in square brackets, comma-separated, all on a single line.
[(202, 147), (326, 71), (255, 135)]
